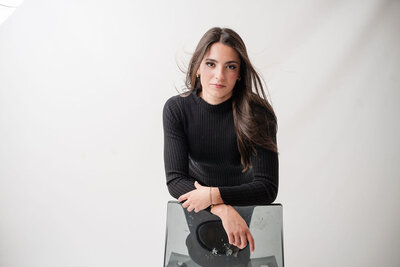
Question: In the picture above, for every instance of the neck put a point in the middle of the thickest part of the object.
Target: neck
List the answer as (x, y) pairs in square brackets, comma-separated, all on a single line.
[(213, 100)]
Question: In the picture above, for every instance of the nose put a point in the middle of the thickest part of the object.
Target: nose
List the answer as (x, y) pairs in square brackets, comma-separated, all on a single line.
[(219, 73)]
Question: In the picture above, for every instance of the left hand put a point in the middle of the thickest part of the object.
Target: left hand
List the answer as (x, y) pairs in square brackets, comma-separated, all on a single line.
[(197, 199), (235, 226)]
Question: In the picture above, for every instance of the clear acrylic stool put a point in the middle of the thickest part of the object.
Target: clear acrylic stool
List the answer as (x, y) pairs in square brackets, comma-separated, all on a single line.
[(198, 239)]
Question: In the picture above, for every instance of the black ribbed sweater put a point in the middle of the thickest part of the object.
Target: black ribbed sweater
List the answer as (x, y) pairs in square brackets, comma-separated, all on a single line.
[(200, 144)]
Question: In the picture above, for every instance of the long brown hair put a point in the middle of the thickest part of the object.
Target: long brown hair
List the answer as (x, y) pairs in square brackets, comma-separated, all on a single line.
[(254, 118)]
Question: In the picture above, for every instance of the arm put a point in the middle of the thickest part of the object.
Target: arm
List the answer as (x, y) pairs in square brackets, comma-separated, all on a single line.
[(180, 185), (235, 226), (175, 151), (263, 189)]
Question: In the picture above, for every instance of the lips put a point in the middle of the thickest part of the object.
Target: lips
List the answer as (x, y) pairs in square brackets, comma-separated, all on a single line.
[(218, 85)]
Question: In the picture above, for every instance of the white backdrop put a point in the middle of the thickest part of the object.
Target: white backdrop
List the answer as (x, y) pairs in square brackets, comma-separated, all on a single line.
[(82, 87)]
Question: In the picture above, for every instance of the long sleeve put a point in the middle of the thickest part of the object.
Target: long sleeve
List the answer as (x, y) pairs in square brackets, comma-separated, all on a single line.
[(263, 189), (175, 151), (200, 143)]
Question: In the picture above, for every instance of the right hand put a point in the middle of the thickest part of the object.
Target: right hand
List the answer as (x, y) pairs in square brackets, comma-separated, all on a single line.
[(235, 226), (197, 199)]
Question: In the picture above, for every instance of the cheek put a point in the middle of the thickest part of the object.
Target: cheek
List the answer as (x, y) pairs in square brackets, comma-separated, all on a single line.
[(206, 72), (232, 76), (206, 75)]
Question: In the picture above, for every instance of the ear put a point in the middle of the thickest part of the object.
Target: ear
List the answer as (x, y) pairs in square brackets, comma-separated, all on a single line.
[(198, 72)]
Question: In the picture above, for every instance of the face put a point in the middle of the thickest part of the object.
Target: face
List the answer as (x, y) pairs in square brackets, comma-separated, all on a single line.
[(219, 71)]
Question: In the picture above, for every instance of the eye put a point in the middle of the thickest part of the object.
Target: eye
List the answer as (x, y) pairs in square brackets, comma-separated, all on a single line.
[(210, 64), (231, 67)]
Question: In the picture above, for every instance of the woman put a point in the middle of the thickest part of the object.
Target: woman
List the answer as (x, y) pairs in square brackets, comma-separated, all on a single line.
[(220, 136)]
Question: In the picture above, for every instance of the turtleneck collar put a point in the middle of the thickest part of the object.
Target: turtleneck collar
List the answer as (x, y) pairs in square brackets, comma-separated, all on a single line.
[(223, 106)]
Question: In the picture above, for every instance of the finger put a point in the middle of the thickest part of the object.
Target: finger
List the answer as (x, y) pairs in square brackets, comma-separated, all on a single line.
[(251, 241), (231, 239), (196, 184), (243, 241), (237, 240), (185, 204), (190, 208), (183, 197)]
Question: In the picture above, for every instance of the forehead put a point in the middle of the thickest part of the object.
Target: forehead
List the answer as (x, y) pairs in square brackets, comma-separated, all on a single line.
[(222, 52)]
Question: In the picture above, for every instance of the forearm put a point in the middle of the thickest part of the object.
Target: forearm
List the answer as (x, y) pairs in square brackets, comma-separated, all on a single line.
[(180, 186), (220, 210), (263, 189), (235, 226), (258, 192), (215, 198)]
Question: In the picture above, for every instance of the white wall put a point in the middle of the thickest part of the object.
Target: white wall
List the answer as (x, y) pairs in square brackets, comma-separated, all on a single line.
[(82, 86)]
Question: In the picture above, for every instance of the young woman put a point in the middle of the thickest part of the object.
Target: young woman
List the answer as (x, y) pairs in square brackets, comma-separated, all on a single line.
[(220, 136)]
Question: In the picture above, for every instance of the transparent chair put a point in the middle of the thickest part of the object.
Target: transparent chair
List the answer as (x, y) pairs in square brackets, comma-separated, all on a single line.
[(198, 239)]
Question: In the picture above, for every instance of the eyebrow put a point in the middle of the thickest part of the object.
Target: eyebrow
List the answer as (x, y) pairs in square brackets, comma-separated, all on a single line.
[(228, 62)]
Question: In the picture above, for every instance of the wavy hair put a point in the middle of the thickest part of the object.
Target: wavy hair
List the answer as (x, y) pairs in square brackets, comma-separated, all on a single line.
[(254, 118)]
